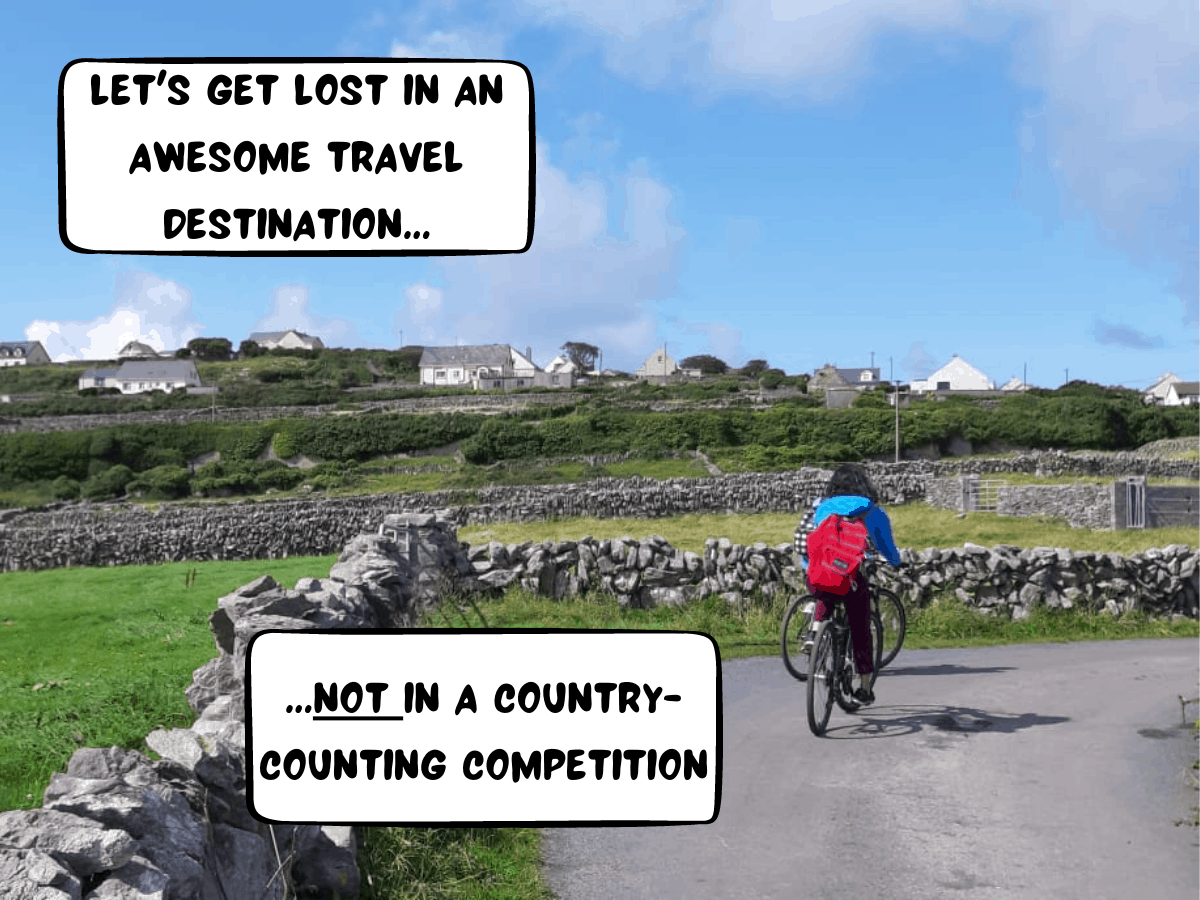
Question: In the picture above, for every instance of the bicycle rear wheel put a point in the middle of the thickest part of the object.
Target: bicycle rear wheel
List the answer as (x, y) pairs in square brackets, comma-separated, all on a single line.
[(844, 681), (797, 622), (821, 685), (894, 623)]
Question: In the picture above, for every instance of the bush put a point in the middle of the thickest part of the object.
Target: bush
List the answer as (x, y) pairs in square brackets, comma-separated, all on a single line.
[(108, 484), (771, 378), (161, 483), (64, 488)]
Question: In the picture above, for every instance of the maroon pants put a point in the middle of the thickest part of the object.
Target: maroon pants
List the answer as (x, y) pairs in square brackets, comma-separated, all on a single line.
[(858, 612)]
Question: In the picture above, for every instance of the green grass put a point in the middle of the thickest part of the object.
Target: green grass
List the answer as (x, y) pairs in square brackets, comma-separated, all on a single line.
[(97, 657)]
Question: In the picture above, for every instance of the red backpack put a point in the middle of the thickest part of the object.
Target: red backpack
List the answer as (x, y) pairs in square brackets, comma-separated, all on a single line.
[(835, 549)]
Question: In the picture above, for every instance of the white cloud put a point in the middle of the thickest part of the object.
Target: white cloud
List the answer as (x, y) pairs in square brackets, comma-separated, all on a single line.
[(147, 309), (578, 282), (290, 309), (1116, 128)]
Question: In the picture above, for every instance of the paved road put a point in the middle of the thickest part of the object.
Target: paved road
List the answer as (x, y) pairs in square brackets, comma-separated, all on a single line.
[(1034, 771)]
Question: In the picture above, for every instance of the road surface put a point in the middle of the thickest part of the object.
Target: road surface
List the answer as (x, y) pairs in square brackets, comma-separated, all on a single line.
[(1031, 771)]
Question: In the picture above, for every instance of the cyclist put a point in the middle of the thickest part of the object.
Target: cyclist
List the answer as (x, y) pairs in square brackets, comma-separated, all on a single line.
[(850, 492)]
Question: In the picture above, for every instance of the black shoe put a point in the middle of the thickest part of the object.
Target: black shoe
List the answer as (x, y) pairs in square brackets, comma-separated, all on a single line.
[(865, 696)]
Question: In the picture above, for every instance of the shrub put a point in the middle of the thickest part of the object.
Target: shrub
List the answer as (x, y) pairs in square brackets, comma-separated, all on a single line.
[(161, 483), (64, 488), (108, 484)]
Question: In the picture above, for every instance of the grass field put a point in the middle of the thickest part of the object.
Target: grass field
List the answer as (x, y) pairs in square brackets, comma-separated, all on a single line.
[(96, 657)]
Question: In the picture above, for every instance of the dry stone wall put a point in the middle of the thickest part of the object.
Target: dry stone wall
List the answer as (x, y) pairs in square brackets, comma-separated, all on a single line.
[(120, 826), (123, 534), (1004, 580)]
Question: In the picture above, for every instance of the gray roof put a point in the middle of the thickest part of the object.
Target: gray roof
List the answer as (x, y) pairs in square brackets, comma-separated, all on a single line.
[(854, 376), (99, 373), (484, 355), (26, 346), (258, 336), (159, 370), (1186, 388)]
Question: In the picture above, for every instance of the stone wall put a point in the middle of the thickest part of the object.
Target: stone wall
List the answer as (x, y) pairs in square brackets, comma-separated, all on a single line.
[(124, 534), (1101, 506), (1004, 580), (120, 826), (457, 402)]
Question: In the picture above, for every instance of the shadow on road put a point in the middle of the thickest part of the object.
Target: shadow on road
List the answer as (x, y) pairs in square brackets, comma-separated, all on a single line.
[(896, 721), (944, 669)]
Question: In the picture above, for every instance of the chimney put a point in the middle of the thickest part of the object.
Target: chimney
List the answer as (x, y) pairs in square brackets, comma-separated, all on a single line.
[(529, 353)]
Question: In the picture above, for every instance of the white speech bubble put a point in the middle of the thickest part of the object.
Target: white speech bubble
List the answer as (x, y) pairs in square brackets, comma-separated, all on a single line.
[(390, 756), (250, 166)]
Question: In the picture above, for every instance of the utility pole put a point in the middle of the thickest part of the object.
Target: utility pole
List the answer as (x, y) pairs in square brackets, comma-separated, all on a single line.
[(872, 359), (1025, 377), (1066, 376), (896, 400)]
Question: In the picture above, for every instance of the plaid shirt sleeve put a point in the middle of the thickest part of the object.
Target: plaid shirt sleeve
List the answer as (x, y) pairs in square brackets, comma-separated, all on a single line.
[(800, 538)]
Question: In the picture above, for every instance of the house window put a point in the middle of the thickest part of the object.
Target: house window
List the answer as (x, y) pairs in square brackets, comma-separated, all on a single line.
[(127, 385), (943, 385), (440, 373), (520, 382), (554, 379), (495, 384)]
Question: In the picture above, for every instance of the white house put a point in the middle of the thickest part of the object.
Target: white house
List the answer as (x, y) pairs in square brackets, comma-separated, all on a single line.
[(475, 366), (139, 376), (1158, 393), (560, 365), (1014, 384), (956, 375), (658, 364), (23, 353), (98, 378), (286, 340), (137, 350), (1182, 393)]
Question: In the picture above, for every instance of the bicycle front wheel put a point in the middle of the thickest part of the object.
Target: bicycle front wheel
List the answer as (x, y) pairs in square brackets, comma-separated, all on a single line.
[(894, 622), (821, 675), (844, 680), (797, 622)]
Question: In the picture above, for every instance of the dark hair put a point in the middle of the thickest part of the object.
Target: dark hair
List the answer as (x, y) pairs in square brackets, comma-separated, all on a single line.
[(851, 478)]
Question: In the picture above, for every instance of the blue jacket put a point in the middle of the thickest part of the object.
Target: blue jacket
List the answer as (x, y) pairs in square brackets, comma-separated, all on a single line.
[(879, 526)]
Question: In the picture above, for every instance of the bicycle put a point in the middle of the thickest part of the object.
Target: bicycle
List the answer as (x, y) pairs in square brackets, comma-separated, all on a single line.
[(798, 622), (891, 614), (831, 667)]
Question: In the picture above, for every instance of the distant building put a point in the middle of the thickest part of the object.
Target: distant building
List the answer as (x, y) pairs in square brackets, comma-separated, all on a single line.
[(560, 365), (659, 364), (286, 340), (1014, 384), (1182, 393), (483, 367), (956, 375), (828, 378), (137, 350), (98, 378), (1157, 394), (23, 353), (140, 376)]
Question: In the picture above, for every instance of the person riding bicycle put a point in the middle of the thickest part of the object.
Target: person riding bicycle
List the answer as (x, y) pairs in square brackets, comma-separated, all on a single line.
[(850, 492)]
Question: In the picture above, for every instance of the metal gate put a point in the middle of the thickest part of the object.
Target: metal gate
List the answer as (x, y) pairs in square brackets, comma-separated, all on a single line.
[(1135, 503), (985, 494)]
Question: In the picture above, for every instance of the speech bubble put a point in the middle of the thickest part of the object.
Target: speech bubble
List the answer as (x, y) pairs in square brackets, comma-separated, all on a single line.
[(279, 157), (483, 727)]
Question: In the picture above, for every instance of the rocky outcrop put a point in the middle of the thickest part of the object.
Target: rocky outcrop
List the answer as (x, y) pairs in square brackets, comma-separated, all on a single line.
[(120, 826)]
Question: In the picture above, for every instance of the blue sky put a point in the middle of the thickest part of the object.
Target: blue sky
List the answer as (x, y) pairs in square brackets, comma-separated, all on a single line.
[(803, 182)]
